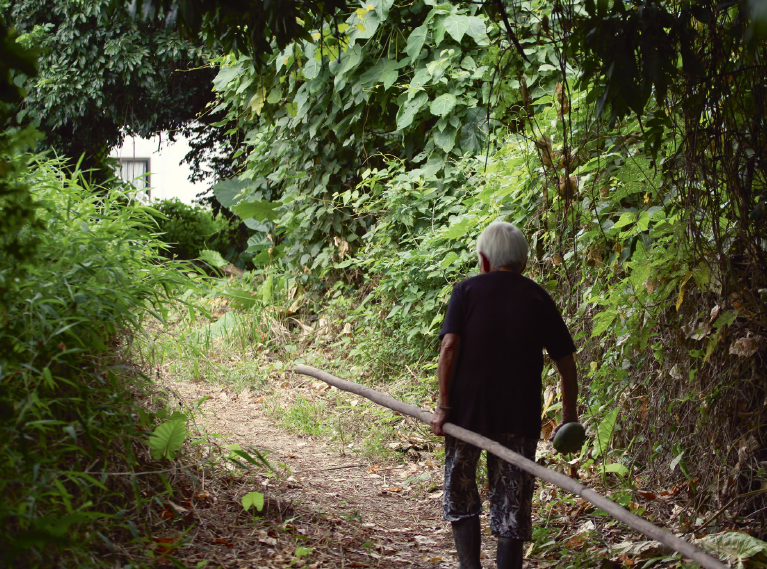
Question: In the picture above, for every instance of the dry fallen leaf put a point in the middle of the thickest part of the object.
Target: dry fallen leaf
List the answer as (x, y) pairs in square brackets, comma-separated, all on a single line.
[(394, 489), (547, 429), (745, 347), (575, 542)]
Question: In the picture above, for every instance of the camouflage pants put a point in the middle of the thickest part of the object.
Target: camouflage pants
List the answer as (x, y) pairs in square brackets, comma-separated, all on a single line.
[(511, 489)]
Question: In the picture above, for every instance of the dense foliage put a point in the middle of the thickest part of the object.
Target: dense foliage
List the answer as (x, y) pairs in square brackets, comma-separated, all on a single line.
[(67, 413), (104, 74), (354, 101), (627, 139), (189, 229), (643, 213)]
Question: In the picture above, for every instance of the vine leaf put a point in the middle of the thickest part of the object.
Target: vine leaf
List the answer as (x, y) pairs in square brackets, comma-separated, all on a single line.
[(228, 191), (443, 104), (408, 111), (415, 42), (385, 71), (457, 26), (477, 30), (226, 76), (445, 139), (213, 258), (257, 209)]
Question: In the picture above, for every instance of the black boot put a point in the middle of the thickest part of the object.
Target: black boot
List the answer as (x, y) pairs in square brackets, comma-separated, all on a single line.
[(467, 542), (509, 553)]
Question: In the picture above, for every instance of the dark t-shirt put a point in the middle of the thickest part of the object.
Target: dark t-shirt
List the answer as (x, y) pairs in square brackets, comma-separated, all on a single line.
[(504, 321)]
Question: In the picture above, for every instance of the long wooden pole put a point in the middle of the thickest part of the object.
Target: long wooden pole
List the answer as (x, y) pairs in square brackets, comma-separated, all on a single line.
[(564, 482)]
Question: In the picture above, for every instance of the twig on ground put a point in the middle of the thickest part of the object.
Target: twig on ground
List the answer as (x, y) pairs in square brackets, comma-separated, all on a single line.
[(331, 468)]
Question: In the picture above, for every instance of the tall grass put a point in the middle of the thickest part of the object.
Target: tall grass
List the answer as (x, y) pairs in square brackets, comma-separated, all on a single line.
[(67, 417)]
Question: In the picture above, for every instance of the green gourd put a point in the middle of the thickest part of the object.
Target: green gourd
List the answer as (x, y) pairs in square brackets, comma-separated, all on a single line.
[(569, 438)]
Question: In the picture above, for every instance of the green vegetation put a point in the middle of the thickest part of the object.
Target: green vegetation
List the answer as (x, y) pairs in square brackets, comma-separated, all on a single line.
[(371, 145), (648, 233), (191, 229), (68, 412)]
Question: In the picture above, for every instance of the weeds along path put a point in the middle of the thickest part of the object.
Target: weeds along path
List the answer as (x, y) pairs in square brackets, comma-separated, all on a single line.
[(351, 513)]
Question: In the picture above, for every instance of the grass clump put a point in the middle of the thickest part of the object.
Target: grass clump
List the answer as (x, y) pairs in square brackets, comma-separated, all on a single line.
[(68, 417)]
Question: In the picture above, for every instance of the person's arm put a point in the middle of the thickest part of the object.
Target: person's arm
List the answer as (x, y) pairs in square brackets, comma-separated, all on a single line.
[(569, 387), (448, 359)]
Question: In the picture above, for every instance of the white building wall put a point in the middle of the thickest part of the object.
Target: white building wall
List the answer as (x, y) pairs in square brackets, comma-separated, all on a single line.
[(168, 178)]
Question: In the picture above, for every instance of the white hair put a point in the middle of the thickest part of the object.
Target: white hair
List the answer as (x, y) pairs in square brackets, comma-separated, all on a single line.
[(504, 245)]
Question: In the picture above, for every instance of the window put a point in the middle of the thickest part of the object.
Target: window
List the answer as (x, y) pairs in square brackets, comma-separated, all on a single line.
[(135, 170)]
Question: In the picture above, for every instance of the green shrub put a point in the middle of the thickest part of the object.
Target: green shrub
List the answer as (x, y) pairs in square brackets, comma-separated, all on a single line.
[(189, 229), (67, 416)]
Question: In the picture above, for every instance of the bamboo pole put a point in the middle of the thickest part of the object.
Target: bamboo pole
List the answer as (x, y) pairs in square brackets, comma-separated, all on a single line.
[(565, 482)]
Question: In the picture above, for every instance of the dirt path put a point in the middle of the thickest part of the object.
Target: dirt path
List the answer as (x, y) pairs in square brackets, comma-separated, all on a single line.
[(352, 513)]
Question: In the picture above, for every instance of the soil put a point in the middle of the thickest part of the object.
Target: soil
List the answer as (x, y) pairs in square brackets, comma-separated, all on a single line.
[(349, 512)]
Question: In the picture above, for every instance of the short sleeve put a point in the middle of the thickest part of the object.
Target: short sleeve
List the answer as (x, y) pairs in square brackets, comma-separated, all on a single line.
[(556, 336), (454, 321)]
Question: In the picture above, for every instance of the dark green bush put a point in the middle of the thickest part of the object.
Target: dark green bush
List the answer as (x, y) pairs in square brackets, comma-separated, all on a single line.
[(189, 229)]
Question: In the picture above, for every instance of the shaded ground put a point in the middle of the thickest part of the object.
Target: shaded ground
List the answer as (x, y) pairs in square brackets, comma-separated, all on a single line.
[(351, 513), (325, 509)]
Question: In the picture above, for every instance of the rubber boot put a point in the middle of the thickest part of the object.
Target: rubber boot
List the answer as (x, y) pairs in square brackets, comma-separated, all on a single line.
[(467, 541), (509, 553)]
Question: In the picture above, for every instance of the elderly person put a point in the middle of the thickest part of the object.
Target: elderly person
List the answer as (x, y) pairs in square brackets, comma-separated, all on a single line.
[(489, 372)]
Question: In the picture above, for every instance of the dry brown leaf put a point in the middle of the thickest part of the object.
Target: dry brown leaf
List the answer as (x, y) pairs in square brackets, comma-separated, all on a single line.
[(745, 347), (547, 428), (394, 489)]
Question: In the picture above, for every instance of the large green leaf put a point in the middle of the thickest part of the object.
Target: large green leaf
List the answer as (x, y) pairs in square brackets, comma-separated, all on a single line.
[(227, 191), (350, 59), (443, 104), (312, 68), (225, 76), (213, 258), (222, 327), (421, 78), (445, 139), (477, 30), (257, 209), (415, 41), (385, 71), (735, 545), (167, 439), (408, 111), (370, 23), (605, 433), (457, 26), (382, 7), (474, 131)]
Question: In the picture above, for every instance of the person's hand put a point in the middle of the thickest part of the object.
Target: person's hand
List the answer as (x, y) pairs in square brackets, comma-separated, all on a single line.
[(563, 422), (438, 419)]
